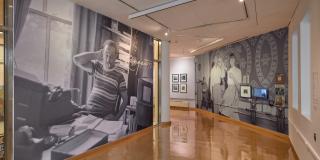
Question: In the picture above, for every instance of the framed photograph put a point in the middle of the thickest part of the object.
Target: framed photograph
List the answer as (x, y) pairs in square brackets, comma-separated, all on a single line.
[(280, 78), (279, 101), (183, 77), (175, 78), (245, 91), (183, 88), (175, 87)]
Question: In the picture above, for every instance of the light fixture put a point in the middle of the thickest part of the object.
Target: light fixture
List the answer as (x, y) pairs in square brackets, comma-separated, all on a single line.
[(166, 34), (241, 0), (158, 8), (207, 45), (192, 50)]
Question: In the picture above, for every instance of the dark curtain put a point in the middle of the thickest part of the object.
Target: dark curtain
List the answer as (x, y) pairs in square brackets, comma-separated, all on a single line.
[(21, 8), (85, 31)]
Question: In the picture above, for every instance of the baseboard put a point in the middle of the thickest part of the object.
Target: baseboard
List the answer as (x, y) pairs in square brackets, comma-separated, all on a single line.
[(165, 124), (293, 150), (104, 147), (307, 144), (264, 131), (180, 108)]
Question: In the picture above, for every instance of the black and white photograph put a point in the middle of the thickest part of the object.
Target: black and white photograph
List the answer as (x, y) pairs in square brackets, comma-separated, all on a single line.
[(183, 88), (175, 78), (245, 91), (280, 78), (71, 81), (256, 62), (183, 77), (175, 87)]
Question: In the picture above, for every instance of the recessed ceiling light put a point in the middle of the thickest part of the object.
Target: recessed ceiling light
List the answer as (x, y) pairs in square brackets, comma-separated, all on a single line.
[(241, 0), (166, 34)]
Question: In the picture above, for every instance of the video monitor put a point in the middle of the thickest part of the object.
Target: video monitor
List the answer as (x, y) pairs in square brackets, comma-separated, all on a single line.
[(260, 93), (245, 91)]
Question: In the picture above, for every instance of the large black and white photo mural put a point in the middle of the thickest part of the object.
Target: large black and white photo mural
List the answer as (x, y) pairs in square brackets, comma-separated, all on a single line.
[(81, 80), (255, 63)]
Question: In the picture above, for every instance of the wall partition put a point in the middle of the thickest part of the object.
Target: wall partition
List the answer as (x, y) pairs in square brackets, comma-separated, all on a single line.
[(6, 61), (81, 80), (247, 80), (2, 80), (156, 90), (304, 86)]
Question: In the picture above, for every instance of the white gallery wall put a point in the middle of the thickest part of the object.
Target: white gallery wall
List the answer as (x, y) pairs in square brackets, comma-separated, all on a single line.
[(304, 111), (180, 66)]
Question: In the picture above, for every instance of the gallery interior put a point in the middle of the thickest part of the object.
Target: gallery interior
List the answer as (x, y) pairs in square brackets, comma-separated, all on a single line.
[(160, 79)]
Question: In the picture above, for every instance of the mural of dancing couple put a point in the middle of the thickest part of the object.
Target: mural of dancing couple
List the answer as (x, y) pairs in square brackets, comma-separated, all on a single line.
[(224, 86), (254, 62)]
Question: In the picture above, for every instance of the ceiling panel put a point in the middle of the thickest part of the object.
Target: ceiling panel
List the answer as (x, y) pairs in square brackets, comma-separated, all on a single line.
[(175, 20), (274, 11), (215, 11), (117, 10), (263, 16), (200, 12)]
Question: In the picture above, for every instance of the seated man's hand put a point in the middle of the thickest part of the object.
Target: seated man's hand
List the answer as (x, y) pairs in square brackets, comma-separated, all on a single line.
[(79, 114)]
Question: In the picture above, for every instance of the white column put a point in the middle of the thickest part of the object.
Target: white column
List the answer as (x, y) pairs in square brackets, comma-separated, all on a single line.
[(165, 82)]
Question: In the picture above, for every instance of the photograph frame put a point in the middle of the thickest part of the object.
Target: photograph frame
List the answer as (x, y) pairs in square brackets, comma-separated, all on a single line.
[(175, 78), (183, 88), (184, 77), (280, 78), (175, 88), (245, 91)]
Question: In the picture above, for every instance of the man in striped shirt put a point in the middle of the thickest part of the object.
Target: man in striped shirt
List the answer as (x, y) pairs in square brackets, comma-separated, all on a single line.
[(108, 82)]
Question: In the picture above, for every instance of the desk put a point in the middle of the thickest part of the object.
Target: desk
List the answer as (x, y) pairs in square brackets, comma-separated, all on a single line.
[(253, 112), (131, 118), (115, 130), (281, 119)]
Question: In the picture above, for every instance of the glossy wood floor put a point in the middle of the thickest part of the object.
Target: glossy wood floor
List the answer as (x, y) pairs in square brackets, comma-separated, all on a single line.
[(198, 136)]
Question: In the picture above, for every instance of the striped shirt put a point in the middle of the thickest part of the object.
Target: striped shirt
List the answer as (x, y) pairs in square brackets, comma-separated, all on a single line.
[(106, 89)]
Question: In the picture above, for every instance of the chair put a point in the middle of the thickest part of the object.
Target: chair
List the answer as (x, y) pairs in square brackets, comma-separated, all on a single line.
[(144, 114), (144, 110)]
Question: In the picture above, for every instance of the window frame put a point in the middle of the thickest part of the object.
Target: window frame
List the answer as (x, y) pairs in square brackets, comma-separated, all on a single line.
[(305, 66)]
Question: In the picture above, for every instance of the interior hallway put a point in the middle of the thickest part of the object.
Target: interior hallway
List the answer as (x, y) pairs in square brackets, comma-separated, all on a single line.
[(197, 135)]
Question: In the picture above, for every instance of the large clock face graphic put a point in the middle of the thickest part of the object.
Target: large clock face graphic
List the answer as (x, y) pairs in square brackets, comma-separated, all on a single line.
[(266, 60)]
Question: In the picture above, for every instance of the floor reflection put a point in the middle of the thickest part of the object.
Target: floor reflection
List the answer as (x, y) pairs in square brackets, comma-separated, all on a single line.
[(195, 136)]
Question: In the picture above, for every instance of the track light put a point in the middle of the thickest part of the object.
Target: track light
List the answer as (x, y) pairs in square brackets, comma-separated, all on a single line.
[(158, 8)]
